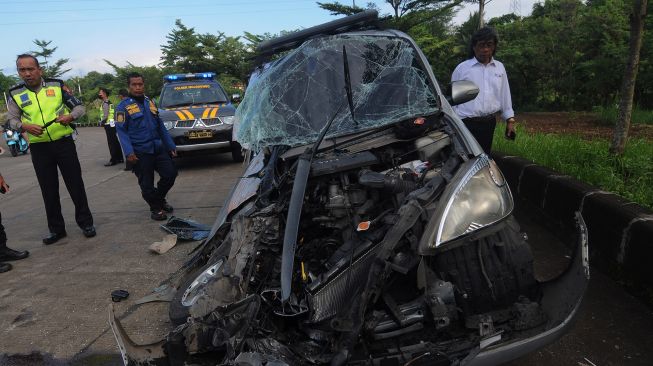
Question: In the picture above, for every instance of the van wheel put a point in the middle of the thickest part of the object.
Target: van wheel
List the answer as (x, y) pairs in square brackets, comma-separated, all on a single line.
[(191, 288)]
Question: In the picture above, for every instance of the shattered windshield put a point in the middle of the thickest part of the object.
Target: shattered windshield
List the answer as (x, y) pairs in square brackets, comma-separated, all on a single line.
[(297, 96)]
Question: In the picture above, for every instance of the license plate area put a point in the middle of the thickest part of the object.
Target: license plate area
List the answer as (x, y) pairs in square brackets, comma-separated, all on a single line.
[(201, 134)]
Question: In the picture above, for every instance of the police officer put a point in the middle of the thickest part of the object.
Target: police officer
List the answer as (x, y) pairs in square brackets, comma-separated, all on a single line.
[(38, 106), (147, 145), (6, 253), (110, 128)]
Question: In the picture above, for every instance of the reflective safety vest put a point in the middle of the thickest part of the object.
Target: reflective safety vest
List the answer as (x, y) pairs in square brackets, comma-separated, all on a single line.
[(112, 111), (42, 107)]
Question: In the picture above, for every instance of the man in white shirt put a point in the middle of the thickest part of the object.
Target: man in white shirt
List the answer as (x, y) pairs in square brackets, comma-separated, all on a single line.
[(494, 92)]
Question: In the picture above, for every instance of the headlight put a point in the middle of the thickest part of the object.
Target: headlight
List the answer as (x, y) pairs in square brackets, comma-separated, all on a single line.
[(476, 197), (229, 120), (10, 133), (169, 124)]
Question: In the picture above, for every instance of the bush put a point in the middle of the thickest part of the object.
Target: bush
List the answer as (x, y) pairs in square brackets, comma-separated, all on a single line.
[(629, 175), (608, 115)]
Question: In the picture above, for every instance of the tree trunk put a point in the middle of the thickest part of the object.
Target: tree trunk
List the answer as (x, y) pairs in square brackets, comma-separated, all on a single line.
[(481, 9), (622, 126)]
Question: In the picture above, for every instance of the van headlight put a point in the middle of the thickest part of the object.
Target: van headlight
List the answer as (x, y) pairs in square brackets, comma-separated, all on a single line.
[(477, 197), (169, 124), (228, 120)]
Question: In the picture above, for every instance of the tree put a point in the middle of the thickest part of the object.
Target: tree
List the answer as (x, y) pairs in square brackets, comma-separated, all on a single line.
[(337, 8), (55, 70), (630, 77)]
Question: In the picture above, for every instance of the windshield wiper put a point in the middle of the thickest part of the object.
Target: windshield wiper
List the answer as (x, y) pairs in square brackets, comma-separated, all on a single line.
[(350, 97)]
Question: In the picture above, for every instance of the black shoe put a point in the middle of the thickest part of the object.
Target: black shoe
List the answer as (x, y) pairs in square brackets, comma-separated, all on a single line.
[(5, 267), (111, 163), (89, 231), (53, 238), (158, 215), (167, 208), (8, 254)]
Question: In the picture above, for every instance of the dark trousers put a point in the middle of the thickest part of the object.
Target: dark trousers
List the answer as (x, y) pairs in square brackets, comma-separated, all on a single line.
[(114, 145), (46, 157), (483, 130), (3, 235), (144, 169)]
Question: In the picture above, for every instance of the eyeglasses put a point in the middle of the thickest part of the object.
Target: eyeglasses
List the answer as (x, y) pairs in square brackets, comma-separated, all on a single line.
[(489, 44)]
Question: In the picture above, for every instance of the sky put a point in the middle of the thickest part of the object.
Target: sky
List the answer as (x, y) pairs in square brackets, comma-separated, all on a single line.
[(88, 31)]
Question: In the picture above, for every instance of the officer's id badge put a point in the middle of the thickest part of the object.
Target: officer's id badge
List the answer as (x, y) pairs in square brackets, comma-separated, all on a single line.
[(120, 116), (24, 100), (133, 109), (49, 93)]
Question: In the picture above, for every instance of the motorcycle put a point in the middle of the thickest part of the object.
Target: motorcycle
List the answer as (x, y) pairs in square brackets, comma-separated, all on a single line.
[(17, 144), (369, 227)]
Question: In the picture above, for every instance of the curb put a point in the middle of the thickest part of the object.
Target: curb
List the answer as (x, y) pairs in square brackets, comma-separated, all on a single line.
[(620, 232)]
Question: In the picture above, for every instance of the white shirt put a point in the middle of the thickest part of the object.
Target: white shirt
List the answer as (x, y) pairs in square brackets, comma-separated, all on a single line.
[(494, 91)]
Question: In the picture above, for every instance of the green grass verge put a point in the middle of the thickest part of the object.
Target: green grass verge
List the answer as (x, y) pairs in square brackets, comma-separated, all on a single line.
[(630, 175), (608, 115)]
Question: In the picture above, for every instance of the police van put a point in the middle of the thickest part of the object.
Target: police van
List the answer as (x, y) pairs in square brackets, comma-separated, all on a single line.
[(198, 114)]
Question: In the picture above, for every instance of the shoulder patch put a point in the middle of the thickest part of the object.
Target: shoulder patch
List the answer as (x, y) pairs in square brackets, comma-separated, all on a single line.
[(132, 108), (120, 116)]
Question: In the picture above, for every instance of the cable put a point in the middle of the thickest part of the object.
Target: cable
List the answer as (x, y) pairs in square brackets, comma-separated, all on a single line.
[(185, 6), (179, 16)]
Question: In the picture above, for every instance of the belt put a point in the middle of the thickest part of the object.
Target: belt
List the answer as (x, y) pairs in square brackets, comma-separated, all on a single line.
[(489, 117)]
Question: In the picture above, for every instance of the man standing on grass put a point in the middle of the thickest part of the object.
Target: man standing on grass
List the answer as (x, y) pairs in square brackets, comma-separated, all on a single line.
[(479, 114), (147, 145)]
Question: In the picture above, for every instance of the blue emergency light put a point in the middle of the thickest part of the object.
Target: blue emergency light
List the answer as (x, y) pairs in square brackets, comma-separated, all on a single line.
[(191, 76)]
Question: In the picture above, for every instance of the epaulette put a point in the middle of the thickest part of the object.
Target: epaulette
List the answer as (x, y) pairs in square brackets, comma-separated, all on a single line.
[(53, 80), (17, 86)]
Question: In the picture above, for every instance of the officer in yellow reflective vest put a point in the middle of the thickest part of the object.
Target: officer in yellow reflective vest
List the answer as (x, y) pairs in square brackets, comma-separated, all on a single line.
[(110, 128), (38, 106)]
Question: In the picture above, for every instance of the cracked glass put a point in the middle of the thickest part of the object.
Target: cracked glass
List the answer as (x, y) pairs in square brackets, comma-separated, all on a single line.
[(295, 97)]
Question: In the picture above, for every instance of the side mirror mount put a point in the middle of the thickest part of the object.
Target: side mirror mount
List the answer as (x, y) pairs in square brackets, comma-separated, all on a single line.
[(462, 91), (235, 98)]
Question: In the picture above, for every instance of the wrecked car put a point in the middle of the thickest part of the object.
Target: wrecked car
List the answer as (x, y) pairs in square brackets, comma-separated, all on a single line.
[(369, 227)]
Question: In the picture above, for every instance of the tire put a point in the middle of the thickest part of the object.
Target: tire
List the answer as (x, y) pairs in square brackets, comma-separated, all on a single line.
[(14, 150), (183, 299), (237, 152)]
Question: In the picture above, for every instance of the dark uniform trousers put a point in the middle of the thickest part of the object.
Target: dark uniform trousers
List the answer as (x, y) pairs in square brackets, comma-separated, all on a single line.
[(144, 169), (114, 145), (46, 157), (483, 130), (3, 235)]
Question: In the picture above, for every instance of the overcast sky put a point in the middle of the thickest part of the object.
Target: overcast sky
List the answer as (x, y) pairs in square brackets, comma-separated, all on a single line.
[(88, 31)]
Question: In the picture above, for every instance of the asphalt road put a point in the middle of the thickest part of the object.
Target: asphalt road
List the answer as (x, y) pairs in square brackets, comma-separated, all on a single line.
[(53, 305)]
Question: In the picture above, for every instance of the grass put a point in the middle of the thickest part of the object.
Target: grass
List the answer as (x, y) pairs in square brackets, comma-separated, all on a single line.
[(629, 175), (608, 115)]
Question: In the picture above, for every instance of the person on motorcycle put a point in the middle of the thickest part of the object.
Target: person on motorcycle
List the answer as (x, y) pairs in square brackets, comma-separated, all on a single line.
[(6, 253)]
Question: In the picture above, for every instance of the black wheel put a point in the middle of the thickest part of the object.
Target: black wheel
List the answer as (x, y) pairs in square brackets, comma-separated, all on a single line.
[(14, 150), (192, 286), (237, 152)]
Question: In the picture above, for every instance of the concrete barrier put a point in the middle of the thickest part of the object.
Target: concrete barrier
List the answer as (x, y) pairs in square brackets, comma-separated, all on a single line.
[(620, 232)]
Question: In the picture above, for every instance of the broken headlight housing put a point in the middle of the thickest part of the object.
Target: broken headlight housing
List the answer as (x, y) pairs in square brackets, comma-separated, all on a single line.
[(476, 198)]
